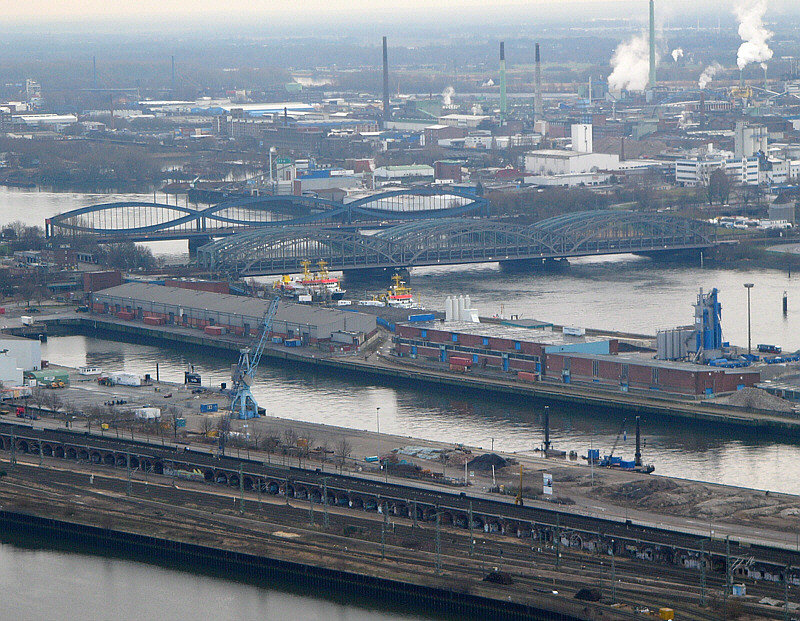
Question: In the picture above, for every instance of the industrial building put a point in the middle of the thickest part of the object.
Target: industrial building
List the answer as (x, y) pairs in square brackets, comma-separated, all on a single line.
[(242, 316), (18, 355), (540, 353), (504, 347), (631, 372)]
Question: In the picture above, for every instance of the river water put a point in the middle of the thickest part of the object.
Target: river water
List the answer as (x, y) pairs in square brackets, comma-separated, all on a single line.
[(39, 582), (620, 293)]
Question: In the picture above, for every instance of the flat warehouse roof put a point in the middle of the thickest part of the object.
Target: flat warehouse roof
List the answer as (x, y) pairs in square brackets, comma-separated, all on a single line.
[(502, 331), (224, 303)]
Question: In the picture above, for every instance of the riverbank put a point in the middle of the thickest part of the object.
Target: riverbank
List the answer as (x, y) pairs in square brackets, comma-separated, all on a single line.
[(383, 368)]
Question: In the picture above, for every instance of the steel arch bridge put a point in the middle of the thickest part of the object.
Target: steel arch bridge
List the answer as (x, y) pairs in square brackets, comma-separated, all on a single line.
[(145, 221), (454, 240)]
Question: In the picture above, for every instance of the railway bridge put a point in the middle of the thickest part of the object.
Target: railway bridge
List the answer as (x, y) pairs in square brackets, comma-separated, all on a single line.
[(143, 221), (447, 241)]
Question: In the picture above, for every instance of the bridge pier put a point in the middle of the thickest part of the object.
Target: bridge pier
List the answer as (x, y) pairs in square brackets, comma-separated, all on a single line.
[(196, 242), (691, 256), (517, 266)]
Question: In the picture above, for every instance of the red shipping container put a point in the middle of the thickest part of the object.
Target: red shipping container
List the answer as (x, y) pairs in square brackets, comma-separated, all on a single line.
[(125, 315), (459, 367), (214, 330), (528, 377), (464, 362), (154, 321)]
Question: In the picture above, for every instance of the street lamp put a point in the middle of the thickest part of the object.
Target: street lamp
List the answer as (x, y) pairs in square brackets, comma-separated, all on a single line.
[(748, 286), (378, 419)]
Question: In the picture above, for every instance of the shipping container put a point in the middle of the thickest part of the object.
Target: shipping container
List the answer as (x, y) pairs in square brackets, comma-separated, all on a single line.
[(214, 330), (527, 377), (153, 321), (573, 331), (460, 368), (209, 407), (425, 317), (127, 315), (292, 343), (464, 362), (277, 339), (26, 320), (122, 378), (147, 413)]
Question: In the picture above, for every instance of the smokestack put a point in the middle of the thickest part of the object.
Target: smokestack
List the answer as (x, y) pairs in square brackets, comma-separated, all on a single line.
[(173, 73), (622, 149), (652, 80), (386, 112), (503, 102), (538, 108)]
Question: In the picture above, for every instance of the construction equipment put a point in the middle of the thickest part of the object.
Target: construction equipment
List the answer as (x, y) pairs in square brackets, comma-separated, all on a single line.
[(243, 404), (608, 460)]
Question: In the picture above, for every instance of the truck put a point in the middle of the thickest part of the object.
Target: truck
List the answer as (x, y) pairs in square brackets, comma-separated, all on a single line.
[(119, 378), (27, 320)]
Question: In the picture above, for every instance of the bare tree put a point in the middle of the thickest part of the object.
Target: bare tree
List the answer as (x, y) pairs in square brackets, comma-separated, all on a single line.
[(342, 452), (207, 425)]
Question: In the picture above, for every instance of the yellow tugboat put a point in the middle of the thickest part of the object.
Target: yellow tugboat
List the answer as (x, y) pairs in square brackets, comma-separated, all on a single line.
[(320, 285), (399, 295)]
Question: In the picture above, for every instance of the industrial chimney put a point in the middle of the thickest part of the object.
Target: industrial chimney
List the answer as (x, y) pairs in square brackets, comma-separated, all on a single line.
[(387, 115), (503, 102), (538, 108), (652, 80)]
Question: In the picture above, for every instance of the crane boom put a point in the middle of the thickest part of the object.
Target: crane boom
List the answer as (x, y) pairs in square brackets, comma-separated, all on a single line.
[(243, 404)]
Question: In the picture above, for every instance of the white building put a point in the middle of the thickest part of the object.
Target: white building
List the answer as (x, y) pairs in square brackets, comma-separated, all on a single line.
[(563, 162), (463, 120), (16, 356), (403, 172), (698, 170)]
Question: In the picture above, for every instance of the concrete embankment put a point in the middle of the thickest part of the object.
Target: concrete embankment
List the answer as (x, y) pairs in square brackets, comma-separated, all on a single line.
[(383, 369)]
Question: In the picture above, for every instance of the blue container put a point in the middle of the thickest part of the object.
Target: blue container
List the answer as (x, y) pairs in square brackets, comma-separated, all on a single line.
[(593, 455), (292, 342), (627, 465), (425, 317), (209, 407), (616, 461)]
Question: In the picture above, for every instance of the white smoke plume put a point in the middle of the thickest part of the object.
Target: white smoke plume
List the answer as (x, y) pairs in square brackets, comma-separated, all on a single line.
[(755, 36), (631, 63), (676, 54), (447, 95), (708, 75)]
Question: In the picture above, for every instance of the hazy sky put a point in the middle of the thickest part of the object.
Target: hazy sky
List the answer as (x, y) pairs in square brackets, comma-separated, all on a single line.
[(75, 10)]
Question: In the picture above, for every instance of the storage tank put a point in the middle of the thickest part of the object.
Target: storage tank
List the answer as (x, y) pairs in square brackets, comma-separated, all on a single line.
[(448, 309)]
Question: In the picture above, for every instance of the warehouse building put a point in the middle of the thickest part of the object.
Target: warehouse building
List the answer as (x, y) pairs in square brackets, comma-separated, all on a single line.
[(627, 372), (502, 347), (242, 316)]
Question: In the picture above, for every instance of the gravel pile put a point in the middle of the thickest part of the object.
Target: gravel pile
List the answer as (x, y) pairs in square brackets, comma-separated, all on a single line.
[(757, 399)]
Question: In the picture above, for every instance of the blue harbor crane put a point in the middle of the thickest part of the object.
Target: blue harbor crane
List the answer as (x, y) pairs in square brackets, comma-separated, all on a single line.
[(243, 404)]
